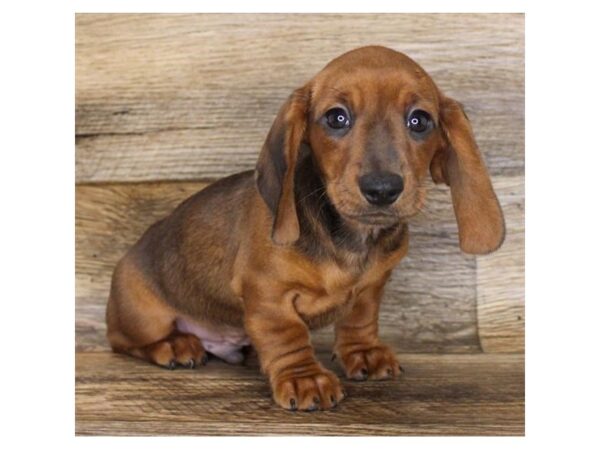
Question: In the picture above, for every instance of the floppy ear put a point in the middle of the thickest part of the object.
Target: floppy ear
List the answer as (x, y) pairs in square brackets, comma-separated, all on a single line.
[(460, 165), (277, 163)]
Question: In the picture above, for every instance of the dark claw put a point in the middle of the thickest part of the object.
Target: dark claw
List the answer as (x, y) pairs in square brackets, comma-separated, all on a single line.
[(172, 365), (390, 372), (365, 373), (402, 371), (204, 359), (191, 364), (293, 404), (333, 401), (333, 356), (317, 400)]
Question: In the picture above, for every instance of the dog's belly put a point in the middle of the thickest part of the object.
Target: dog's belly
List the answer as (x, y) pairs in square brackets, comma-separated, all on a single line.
[(224, 342)]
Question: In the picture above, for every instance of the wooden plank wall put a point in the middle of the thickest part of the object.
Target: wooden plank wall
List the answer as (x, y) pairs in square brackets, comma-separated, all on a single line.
[(167, 103)]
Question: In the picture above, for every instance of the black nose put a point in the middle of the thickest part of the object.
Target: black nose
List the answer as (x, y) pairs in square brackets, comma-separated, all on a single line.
[(381, 188)]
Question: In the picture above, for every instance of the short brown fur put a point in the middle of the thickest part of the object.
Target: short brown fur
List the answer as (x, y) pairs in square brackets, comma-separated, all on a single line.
[(294, 245)]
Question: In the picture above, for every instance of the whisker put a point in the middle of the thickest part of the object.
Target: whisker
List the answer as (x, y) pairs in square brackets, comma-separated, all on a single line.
[(312, 193)]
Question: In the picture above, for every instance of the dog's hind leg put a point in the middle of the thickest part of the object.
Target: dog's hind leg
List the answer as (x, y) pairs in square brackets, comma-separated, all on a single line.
[(140, 323)]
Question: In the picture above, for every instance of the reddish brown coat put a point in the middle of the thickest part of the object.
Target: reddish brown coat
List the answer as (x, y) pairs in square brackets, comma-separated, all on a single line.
[(295, 245)]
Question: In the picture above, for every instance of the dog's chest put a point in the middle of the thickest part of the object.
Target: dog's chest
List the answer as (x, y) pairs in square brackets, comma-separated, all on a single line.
[(322, 303)]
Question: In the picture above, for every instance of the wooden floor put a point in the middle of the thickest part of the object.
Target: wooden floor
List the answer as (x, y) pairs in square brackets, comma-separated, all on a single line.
[(440, 394)]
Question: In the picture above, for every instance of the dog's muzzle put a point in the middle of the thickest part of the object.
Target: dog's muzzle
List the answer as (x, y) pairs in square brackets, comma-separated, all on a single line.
[(381, 188)]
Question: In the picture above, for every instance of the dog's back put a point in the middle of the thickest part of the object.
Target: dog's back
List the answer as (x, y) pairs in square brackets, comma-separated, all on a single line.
[(191, 252)]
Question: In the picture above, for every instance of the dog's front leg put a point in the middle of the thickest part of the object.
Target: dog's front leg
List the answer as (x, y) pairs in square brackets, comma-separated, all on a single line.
[(357, 346), (282, 342)]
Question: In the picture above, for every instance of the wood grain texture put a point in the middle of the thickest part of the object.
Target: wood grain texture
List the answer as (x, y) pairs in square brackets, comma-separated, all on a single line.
[(430, 304), (181, 97), (439, 395), (501, 278)]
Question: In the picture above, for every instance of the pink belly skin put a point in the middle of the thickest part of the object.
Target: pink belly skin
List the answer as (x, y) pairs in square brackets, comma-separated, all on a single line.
[(223, 342)]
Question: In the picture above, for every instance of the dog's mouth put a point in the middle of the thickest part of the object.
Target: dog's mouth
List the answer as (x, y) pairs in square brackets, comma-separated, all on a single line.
[(402, 211), (377, 219)]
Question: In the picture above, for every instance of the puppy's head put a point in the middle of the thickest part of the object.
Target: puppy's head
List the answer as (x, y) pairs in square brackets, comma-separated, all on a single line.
[(377, 126)]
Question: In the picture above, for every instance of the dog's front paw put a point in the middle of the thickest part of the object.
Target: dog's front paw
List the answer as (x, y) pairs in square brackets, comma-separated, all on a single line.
[(310, 390), (378, 362)]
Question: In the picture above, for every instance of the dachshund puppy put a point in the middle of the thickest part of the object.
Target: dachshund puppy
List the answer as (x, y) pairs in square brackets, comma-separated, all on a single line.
[(310, 237)]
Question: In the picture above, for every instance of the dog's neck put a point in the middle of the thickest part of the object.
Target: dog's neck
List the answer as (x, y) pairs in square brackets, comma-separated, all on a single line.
[(324, 233)]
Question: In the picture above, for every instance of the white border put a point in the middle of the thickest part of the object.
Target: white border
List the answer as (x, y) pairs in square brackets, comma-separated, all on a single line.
[(561, 235), (333, 6)]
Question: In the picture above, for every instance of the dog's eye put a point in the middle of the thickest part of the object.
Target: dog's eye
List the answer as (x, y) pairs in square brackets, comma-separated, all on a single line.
[(418, 121), (337, 118)]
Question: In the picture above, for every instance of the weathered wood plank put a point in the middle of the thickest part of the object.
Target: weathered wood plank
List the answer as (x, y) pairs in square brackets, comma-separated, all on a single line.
[(501, 278), (193, 96), (439, 395), (429, 305)]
